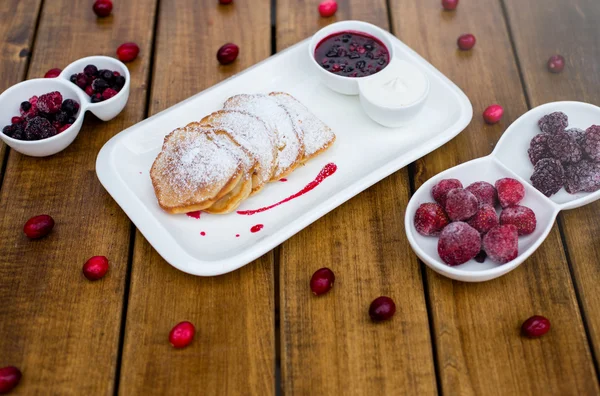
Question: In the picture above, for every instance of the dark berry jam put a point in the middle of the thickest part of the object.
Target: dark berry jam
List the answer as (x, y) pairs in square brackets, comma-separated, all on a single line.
[(352, 54)]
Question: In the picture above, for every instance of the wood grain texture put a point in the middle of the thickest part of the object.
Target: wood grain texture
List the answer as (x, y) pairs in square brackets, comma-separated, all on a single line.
[(234, 348), (329, 346), (17, 29), (571, 29), (61, 330), (476, 326)]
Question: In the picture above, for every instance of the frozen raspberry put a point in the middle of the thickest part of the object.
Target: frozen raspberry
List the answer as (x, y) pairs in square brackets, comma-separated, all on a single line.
[(50, 103), (578, 135), (591, 142), (440, 190), (548, 176), (563, 147), (485, 219), (39, 128), (486, 193), (481, 256), (501, 243), (461, 204), (538, 148), (510, 192), (553, 122), (521, 217), (582, 176), (430, 219), (458, 243)]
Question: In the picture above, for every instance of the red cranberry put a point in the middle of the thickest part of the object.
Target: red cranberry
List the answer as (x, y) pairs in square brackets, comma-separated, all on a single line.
[(95, 268), (89, 90), (53, 73), (227, 53), (182, 334), (116, 74), (103, 8), (556, 63), (64, 128), (382, 308), (466, 41), (492, 114), (225, 1), (108, 93), (449, 4), (321, 281), (38, 226), (536, 326), (128, 52), (327, 8), (16, 120), (9, 378)]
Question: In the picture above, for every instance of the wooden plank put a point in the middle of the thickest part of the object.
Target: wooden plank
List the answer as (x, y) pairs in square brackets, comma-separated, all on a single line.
[(476, 326), (19, 20), (542, 29), (328, 344), (60, 329), (234, 349)]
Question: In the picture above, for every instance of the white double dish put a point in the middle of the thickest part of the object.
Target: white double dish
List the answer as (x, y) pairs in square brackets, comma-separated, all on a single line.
[(364, 153)]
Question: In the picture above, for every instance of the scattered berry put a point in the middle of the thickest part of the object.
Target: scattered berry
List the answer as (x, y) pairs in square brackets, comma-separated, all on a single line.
[(577, 134), (53, 73), (127, 52), (39, 128), (521, 217), (16, 120), (466, 41), (430, 219), (510, 192), (548, 176), (38, 226), (582, 176), (556, 63), (563, 147), (103, 8), (50, 103), (95, 268), (449, 5), (458, 243), (461, 204), (484, 220), (591, 142), (9, 378), (538, 148), (536, 326), (227, 53), (485, 193), (440, 190), (327, 8), (182, 334), (501, 243), (481, 256), (553, 122), (382, 308), (322, 281), (108, 93), (492, 114)]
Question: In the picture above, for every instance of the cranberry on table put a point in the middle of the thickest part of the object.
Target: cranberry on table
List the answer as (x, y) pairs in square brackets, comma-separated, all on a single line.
[(322, 281), (127, 52), (327, 8), (449, 4), (9, 378), (95, 268), (53, 73), (536, 326), (182, 334), (227, 53), (556, 63), (492, 114), (466, 41), (38, 226), (225, 1), (103, 8), (382, 308)]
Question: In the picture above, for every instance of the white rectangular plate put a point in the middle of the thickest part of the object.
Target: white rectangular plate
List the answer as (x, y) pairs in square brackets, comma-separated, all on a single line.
[(364, 153)]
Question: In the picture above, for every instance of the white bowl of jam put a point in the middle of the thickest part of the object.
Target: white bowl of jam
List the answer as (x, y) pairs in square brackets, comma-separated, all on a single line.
[(347, 52)]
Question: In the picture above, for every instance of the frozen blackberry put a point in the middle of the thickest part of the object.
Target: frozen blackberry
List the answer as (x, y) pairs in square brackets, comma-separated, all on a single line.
[(39, 128), (538, 148), (553, 122), (548, 176), (577, 134), (564, 148), (591, 143), (583, 176)]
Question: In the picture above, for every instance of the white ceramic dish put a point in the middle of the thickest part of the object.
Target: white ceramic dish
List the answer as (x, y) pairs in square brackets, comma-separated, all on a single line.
[(509, 159), (364, 152), (11, 99)]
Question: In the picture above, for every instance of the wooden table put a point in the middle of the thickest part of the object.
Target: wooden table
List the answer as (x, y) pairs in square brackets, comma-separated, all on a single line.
[(259, 330)]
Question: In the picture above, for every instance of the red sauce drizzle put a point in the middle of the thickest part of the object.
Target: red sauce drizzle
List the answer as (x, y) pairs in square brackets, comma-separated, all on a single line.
[(256, 228), (202, 233), (327, 171), (194, 215)]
